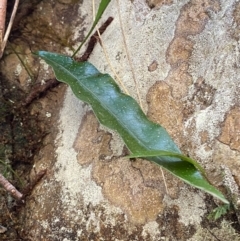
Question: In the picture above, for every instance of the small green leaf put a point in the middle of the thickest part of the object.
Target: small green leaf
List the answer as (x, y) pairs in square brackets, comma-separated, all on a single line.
[(219, 212), (102, 6), (122, 113)]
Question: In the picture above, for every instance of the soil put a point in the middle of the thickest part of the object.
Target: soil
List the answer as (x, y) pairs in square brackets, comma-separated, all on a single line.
[(27, 120)]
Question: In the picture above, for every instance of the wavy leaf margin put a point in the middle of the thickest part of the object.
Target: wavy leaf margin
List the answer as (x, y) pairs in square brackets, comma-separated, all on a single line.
[(121, 113)]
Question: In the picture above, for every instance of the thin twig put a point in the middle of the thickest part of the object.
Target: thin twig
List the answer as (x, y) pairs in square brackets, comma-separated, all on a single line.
[(133, 73), (118, 79), (93, 40), (213, 235), (40, 89), (10, 188), (128, 55), (37, 178), (164, 180), (22, 62), (3, 9), (3, 45)]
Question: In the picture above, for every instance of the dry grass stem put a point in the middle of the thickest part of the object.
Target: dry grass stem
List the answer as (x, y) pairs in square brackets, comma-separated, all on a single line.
[(118, 79), (128, 55), (3, 9), (4, 41), (133, 73)]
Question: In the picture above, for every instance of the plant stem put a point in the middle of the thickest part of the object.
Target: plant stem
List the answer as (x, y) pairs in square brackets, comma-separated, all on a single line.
[(3, 44), (10, 188), (3, 8)]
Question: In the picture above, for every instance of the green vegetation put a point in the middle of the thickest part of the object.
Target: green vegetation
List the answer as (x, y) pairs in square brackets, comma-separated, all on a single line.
[(121, 113)]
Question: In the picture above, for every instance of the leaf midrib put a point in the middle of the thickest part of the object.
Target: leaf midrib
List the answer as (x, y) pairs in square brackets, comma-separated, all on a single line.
[(117, 119), (105, 107)]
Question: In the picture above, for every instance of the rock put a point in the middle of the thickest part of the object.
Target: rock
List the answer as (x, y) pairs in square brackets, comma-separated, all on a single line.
[(90, 191)]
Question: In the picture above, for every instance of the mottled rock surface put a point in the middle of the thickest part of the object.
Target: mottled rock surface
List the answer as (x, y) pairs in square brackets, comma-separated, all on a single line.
[(185, 55)]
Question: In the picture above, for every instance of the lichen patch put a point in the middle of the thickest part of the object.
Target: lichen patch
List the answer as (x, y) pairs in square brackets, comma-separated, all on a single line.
[(187, 210), (124, 186), (230, 132)]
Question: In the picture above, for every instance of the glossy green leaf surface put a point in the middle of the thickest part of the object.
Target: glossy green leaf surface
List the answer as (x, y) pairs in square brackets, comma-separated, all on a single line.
[(121, 113)]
